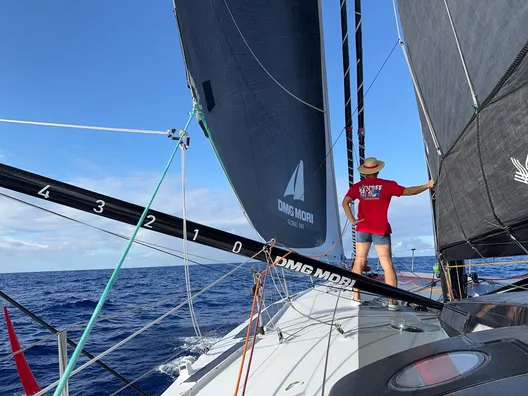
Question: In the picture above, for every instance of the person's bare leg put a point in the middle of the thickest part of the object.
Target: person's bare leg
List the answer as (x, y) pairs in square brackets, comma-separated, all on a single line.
[(385, 257), (362, 249)]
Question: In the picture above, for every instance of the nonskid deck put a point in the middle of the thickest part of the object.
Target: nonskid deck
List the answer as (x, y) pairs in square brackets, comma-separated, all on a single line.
[(297, 362)]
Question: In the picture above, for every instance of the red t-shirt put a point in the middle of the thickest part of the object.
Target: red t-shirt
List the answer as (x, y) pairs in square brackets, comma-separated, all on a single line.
[(374, 196)]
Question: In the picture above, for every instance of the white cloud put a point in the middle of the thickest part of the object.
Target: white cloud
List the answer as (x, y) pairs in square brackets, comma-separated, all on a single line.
[(31, 239)]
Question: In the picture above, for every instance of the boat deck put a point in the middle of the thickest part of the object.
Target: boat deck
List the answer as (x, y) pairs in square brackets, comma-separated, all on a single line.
[(297, 364)]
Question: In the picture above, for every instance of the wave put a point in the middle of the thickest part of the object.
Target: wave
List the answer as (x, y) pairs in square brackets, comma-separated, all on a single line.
[(81, 303), (172, 369), (194, 344)]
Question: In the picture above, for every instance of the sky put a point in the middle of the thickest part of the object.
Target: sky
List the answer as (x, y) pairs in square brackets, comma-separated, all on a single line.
[(118, 64)]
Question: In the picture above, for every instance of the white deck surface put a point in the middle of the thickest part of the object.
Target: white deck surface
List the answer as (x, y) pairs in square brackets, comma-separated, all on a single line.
[(299, 361)]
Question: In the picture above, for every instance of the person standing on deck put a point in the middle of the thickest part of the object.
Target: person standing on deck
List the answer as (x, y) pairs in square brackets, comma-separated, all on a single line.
[(372, 225)]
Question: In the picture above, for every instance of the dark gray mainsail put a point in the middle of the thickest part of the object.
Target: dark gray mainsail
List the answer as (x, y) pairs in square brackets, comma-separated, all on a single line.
[(256, 69), (471, 70)]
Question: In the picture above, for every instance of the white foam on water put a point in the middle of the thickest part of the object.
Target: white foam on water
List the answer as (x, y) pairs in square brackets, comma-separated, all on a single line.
[(194, 344), (191, 344), (172, 369)]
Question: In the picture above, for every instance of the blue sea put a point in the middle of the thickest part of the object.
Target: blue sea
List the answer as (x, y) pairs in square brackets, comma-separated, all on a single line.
[(66, 298)]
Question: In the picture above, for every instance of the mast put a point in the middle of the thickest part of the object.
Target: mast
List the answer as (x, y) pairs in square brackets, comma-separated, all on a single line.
[(359, 78), (348, 108)]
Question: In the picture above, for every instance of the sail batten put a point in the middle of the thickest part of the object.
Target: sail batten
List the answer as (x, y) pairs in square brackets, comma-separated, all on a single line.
[(257, 70), (469, 61)]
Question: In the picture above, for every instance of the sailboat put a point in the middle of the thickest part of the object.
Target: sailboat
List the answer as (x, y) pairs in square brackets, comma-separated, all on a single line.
[(257, 77)]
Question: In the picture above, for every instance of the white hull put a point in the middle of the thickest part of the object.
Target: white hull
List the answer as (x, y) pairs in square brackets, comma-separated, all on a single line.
[(298, 362)]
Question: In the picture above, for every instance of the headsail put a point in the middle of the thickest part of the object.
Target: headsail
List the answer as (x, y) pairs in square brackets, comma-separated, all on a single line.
[(257, 70), (469, 60)]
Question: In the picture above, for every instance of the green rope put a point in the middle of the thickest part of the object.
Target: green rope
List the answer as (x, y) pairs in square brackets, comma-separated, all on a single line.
[(113, 278)]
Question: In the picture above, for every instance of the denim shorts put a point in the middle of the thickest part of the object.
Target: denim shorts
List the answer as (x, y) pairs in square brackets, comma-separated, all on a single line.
[(364, 237)]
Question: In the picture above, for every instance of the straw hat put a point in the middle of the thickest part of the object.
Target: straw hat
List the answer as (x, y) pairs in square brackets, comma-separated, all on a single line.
[(370, 166)]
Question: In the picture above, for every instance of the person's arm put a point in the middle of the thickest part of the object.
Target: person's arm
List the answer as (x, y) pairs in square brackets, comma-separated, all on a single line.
[(346, 207), (418, 189)]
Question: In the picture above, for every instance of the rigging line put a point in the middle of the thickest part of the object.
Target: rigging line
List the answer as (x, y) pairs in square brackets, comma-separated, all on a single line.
[(491, 96), (416, 84), (489, 263), (398, 261), (255, 331), (328, 344), (70, 342), (328, 323), (158, 365), (147, 326), (184, 145), (21, 350), (113, 277), (136, 308), (462, 58), (74, 126), (433, 284), (342, 130), (248, 331), (155, 367), (150, 371), (355, 110), (264, 68), (505, 278), (449, 284), (329, 286), (276, 287), (496, 243), (460, 295), (100, 319), (116, 315), (510, 286), (246, 341)]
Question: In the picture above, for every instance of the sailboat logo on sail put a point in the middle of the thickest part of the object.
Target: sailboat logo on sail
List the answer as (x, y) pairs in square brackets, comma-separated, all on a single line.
[(522, 171), (295, 188)]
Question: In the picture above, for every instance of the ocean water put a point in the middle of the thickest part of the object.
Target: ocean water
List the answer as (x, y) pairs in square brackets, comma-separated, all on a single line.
[(64, 299)]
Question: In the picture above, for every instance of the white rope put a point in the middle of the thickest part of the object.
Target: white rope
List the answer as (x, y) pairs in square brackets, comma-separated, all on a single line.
[(146, 327), (97, 128), (186, 250), (275, 284), (262, 66), (396, 19)]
